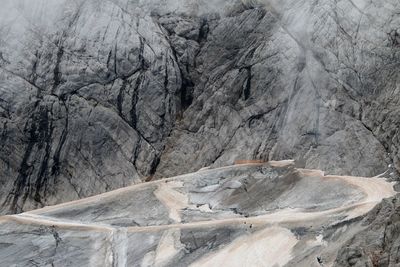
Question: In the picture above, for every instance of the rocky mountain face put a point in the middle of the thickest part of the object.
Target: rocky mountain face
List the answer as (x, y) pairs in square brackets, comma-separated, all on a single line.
[(315, 81), (97, 95)]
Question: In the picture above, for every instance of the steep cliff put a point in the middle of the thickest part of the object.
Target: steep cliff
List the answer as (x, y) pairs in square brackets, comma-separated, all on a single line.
[(96, 95)]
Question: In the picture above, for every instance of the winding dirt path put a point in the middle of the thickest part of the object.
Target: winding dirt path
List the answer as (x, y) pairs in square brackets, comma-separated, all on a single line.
[(271, 245), (375, 190)]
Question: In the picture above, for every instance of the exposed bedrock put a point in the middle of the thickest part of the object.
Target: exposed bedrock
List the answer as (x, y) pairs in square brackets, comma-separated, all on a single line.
[(94, 97), (378, 244), (270, 214)]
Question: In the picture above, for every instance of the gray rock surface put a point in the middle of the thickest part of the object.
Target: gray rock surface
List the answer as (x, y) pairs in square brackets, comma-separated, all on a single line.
[(245, 215), (97, 95), (378, 244), (88, 97), (301, 79)]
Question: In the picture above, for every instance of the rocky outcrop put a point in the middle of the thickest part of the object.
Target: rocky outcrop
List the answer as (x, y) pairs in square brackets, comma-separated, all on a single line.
[(378, 244), (94, 96)]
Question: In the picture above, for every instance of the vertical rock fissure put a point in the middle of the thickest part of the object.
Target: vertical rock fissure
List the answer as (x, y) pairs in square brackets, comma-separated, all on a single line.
[(57, 74)]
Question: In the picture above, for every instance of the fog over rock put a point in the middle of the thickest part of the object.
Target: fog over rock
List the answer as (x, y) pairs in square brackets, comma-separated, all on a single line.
[(96, 95)]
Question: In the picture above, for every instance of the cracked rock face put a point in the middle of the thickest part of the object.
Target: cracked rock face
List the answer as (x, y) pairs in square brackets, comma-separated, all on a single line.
[(86, 103), (96, 96), (298, 80), (378, 243)]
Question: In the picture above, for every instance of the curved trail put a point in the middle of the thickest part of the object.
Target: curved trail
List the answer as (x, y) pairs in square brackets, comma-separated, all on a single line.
[(375, 189), (200, 203)]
